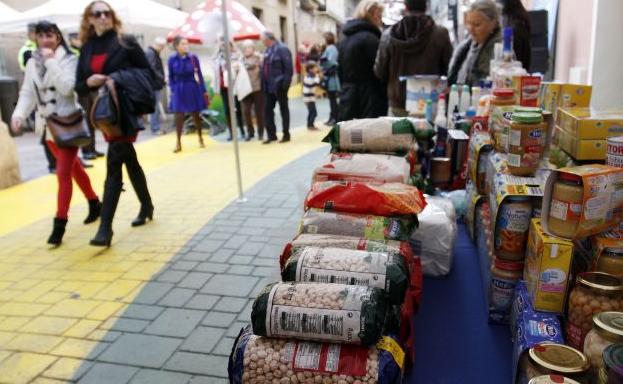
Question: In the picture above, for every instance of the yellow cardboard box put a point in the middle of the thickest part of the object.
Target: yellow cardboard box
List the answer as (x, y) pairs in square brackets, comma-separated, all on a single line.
[(548, 96), (546, 270), (588, 123), (602, 200), (581, 149), (575, 95)]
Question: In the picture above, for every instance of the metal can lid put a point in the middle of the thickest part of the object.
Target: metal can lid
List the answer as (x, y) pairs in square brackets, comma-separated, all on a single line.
[(559, 358), (615, 139), (518, 199), (610, 323), (527, 117), (614, 252), (600, 280), (503, 92), (552, 379), (613, 358)]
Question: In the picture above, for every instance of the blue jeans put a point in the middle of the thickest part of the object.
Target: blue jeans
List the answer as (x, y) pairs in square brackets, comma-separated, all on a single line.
[(154, 118)]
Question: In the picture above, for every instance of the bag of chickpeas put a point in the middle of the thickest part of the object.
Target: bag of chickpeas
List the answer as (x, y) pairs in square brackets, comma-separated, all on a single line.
[(337, 313), (351, 267), (257, 359)]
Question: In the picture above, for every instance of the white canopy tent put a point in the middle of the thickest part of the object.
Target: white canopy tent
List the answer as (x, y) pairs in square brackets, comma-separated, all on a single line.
[(7, 13), (67, 14)]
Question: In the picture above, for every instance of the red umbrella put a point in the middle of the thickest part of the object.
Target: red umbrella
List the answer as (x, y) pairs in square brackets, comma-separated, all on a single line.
[(204, 22)]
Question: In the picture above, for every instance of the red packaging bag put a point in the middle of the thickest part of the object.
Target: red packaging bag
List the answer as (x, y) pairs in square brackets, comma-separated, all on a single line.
[(388, 199)]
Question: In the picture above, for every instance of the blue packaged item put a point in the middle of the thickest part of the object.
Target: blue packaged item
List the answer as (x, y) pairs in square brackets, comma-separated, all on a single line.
[(530, 327), (299, 358)]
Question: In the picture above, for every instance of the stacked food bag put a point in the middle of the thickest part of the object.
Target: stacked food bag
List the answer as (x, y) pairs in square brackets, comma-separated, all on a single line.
[(350, 282)]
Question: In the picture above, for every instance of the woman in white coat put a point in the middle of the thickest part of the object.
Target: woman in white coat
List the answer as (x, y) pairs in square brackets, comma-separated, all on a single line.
[(49, 87)]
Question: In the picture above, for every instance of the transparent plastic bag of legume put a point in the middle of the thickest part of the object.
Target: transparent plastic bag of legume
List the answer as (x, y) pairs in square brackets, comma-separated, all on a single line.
[(257, 359), (334, 313), (363, 167), (351, 267)]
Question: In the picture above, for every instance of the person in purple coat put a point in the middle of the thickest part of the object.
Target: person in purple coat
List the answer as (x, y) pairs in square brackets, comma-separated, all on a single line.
[(187, 88)]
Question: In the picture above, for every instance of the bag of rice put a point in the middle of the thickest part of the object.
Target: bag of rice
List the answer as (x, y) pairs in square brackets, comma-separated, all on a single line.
[(256, 359), (352, 267), (363, 167), (316, 221), (388, 199), (379, 135), (337, 313)]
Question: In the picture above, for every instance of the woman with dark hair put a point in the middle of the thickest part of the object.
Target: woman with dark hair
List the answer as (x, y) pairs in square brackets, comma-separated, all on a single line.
[(106, 53), (515, 15), (187, 89), (48, 87), (328, 64), (363, 95)]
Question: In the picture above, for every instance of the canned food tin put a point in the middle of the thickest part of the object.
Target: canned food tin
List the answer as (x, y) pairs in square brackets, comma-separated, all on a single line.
[(614, 153)]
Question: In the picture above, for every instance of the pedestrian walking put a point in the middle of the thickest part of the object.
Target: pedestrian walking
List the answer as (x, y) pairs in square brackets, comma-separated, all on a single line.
[(106, 54), (224, 87), (50, 75), (254, 101), (153, 56), (413, 46), (311, 80), (276, 79), (472, 58), (363, 95), (329, 65), (188, 92)]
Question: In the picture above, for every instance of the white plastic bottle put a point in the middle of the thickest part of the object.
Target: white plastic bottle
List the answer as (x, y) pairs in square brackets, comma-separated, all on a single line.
[(440, 118), (464, 99), (475, 97), (453, 101)]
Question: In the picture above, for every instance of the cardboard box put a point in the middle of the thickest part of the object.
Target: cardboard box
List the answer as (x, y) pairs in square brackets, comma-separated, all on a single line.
[(548, 96), (546, 270), (602, 201), (588, 123), (479, 143), (530, 327), (473, 202), (582, 150), (575, 95)]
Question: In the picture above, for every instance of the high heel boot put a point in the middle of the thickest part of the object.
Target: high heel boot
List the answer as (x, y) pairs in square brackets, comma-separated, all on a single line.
[(95, 209), (112, 191), (146, 212), (57, 231)]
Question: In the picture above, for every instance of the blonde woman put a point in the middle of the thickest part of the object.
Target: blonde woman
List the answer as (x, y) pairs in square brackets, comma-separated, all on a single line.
[(362, 95)]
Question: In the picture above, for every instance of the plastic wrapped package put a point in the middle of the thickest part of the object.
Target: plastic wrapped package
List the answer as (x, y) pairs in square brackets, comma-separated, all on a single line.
[(370, 227), (381, 199), (379, 135), (351, 267), (321, 312), (363, 167), (435, 238), (256, 359)]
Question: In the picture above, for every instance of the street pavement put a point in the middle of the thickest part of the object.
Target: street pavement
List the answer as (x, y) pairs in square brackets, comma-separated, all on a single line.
[(164, 303)]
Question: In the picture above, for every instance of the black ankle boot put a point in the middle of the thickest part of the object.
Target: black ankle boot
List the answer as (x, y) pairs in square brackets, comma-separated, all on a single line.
[(95, 209), (58, 231), (143, 215), (103, 237)]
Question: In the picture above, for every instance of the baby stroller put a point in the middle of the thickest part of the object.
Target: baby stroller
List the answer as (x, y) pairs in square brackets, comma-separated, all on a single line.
[(209, 119)]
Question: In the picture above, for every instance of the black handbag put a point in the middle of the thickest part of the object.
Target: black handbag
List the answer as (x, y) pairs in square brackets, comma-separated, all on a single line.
[(105, 114), (67, 131)]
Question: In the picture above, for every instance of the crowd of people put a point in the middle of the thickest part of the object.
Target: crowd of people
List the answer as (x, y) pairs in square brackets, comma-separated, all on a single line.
[(361, 74)]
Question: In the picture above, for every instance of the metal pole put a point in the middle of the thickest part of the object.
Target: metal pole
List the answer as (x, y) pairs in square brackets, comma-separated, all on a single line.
[(230, 97), (296, 34)]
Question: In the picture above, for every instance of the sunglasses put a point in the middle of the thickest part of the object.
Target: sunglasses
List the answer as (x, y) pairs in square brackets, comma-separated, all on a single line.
[(98, 14)]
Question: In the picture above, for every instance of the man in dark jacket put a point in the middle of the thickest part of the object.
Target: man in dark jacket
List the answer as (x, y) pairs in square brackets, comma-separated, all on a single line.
[(413, 46), (276, 78), (363, 95), (153, 56)]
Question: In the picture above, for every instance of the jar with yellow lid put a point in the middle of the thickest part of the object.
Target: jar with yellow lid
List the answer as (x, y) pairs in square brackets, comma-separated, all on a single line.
[(610, 261), (611, 371), (607, 330), (594, 292), (552, 379), (526, 143), (566, 205), (552, 359)]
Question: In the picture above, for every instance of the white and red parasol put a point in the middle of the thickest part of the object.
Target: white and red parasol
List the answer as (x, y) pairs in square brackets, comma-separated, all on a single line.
[(204, 23)]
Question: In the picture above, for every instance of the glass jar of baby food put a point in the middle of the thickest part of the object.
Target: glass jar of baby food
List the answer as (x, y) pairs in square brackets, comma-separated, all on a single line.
[(611, 371), (504, 278), (552, 359), (610, 261), (511, 230), (526, 143), (502, 102), (566, 206), (607, 330), (594, 292)]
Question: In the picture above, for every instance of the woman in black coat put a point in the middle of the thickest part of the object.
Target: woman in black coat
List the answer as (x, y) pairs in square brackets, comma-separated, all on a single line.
[(515, 15), (363, 95), (105, 52)]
